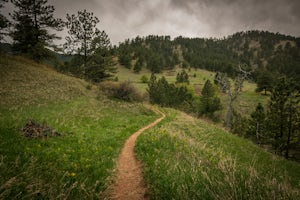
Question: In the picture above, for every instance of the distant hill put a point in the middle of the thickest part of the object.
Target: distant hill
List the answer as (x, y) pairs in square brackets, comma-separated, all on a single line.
[(258, 49)]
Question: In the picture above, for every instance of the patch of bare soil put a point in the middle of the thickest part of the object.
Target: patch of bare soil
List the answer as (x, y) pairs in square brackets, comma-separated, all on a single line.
[(129, 183)]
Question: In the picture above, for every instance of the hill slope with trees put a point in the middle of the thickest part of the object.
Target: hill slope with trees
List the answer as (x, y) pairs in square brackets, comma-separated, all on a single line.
[(260, 50)]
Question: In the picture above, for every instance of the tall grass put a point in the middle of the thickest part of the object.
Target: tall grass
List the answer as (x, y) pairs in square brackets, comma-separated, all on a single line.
[(188, 159), (79, 163)]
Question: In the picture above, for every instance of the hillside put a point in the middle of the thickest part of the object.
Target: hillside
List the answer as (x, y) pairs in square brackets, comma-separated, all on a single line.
[(24, 82), (186, 158), (77, 163), (258, 49), (182, 158)]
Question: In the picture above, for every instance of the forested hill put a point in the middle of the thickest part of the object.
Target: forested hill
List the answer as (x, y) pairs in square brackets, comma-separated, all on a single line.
[(258, 49)]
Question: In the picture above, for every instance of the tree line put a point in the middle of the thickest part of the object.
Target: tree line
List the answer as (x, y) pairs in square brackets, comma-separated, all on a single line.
[(32, 30), (278, 122)]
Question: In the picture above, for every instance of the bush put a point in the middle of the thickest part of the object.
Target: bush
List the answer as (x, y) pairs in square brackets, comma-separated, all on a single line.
[(123, 91), (144, 79)]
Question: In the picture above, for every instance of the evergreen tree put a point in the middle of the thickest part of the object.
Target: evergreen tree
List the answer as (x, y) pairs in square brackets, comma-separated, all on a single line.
[(82, 32), (257, 124), (182, 77), (125, 59), (283, 115), (138, 66), (101, 65), (209, 101), (265, 81), (165, 94), (32, 21), (152, 89)]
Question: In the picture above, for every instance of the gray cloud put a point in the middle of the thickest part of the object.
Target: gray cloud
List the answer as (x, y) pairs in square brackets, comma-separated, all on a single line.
[(123, 19)]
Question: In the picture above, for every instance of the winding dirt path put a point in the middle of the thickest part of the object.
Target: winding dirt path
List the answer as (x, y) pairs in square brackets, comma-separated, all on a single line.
[(129, 184)]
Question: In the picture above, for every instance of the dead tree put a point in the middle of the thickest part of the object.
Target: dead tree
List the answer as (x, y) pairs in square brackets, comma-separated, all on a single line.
[(232, 91)]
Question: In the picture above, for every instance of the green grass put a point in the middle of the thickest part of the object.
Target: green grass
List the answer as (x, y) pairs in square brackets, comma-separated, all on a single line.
[(186, 158), (80, 163), (76, 165), (24, 82), (182, 158), (125, 74)]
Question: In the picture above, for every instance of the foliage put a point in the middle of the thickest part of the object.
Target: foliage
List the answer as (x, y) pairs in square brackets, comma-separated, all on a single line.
[(165, 94), (154, 52), (265, 81), (101, 66), (273, 52), (182, 77), (123, 91), (283, 116), (32, 21), (138, 66), (125, 59), (257, 125), (209, 102), (82, 31), (144, 79), (91, 46)]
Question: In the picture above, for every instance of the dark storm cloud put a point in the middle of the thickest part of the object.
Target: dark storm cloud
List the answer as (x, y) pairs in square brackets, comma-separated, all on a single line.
[(227, 16), (123, 19)]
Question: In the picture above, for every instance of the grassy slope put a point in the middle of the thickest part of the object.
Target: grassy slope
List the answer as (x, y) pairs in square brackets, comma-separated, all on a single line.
[(245, 104), (77, 165), (183, 159), (186, 158)]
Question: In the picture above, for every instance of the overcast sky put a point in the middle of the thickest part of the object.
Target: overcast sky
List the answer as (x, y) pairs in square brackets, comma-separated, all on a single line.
[(123, 19)]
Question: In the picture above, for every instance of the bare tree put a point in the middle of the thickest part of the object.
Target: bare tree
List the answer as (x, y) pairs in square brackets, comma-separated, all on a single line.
[(232, 91)]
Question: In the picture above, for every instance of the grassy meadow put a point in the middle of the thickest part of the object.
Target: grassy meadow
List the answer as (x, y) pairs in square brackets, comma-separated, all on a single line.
[(186, 158), (182, 157), (80, 163)]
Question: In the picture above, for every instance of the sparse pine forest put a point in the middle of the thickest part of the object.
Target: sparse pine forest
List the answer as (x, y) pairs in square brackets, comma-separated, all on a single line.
[(232, 107)]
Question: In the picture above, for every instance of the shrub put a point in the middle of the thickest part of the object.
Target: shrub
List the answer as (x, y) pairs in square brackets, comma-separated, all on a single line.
[(123, 91), (144, 79)]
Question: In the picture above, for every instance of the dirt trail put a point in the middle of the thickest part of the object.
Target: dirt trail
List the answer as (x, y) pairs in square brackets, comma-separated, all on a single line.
[(129, 184)]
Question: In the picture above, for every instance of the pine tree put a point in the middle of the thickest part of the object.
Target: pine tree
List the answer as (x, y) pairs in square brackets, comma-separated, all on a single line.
[(82, 32), (265, 81), (125, 59), (182, 77), (101, 65), (257, 124), (283, 115), (32, 21), (152, 89), (138, 66), (209, 102)]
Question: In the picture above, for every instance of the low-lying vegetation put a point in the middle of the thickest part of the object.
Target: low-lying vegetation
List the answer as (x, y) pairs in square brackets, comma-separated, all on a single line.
[(92, 129), (76, 165), (189, 159)]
